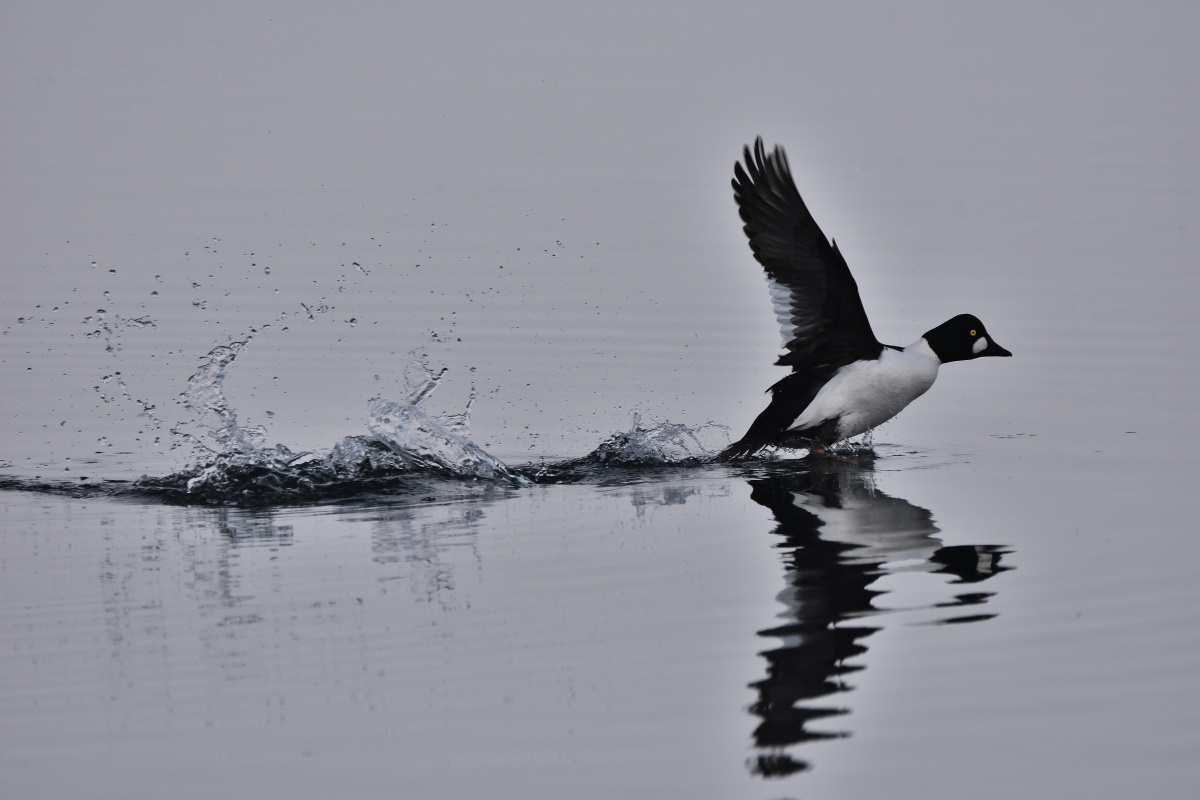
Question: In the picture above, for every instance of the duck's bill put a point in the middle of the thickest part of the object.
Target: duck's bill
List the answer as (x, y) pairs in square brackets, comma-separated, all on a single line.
[(994, 349)]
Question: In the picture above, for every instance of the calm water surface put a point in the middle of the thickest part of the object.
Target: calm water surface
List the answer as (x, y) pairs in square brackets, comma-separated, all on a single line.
[(1000, 604), (706, 632)]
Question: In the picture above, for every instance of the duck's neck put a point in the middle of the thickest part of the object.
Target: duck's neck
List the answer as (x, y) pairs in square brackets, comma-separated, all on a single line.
[(922, 347)]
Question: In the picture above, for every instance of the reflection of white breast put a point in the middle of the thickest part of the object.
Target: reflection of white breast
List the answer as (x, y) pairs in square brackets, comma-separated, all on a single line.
[(883, 529), (868, 393)]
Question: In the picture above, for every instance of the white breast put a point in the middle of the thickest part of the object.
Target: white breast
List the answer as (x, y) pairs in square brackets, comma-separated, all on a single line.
[(865, 394)]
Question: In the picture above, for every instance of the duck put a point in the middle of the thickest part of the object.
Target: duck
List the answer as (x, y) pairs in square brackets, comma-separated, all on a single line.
[(844, 381)]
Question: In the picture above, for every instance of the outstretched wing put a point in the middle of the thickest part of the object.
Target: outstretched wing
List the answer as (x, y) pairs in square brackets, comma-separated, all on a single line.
[(816, 300)]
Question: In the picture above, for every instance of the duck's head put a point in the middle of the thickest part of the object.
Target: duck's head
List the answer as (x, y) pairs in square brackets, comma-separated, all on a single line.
[(962, 338)]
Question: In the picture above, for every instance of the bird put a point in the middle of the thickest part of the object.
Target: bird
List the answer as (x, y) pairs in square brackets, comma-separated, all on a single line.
[(844, 381)]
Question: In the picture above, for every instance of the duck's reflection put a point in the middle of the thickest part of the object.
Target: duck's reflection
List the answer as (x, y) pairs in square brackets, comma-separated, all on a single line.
[(840, 535)]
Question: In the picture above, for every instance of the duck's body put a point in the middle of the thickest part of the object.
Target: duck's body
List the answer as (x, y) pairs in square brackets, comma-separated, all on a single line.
[(844, 381), (867, 393)]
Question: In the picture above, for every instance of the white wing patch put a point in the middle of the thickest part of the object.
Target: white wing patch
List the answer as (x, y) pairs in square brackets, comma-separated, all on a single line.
[(781, 301), (980, 345)]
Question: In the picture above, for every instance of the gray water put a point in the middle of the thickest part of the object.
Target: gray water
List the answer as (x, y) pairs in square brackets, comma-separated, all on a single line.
[(999, 604)]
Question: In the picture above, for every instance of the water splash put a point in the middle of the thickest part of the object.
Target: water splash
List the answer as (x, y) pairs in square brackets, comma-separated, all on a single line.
[(270, 475), (662, 443), (862, 445), (205, 398), (424, 441), (407, 442), (409, 447)]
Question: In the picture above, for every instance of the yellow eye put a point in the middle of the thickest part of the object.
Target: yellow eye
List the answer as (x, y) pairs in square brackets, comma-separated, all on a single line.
[(972, 333)]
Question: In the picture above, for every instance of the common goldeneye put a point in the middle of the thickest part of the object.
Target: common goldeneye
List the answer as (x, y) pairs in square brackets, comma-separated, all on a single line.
[(844, 381)]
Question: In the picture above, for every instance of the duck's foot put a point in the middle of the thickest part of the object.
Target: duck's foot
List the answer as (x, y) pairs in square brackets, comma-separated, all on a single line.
[(823, 452)]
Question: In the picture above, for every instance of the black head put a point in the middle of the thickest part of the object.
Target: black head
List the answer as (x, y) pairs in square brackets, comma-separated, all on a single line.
[(962, 338)]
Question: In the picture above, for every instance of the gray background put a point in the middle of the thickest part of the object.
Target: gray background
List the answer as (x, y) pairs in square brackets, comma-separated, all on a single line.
[(1034, 164)]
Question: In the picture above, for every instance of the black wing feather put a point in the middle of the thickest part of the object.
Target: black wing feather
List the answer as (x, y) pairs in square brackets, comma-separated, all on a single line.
[(815, 296), (828, 323)]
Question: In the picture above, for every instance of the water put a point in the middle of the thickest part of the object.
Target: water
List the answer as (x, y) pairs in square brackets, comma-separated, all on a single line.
[(246, 547)]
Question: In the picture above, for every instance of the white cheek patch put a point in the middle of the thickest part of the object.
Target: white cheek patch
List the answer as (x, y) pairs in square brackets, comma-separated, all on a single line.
[(980, 345)]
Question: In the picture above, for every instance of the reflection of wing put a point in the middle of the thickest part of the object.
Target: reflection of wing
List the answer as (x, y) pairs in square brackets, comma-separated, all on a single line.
[(815, 297)]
